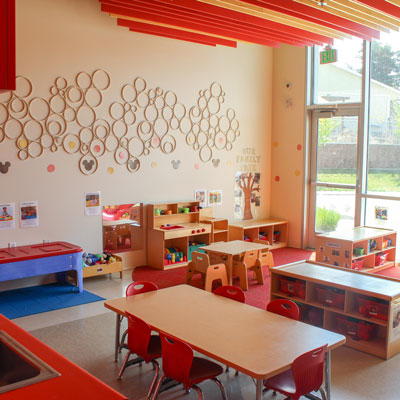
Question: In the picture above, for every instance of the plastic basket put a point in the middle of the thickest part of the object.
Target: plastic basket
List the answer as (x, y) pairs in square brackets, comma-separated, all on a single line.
[(380, 259), (371, 308), (287, 286), (329, 298), (357, 264)]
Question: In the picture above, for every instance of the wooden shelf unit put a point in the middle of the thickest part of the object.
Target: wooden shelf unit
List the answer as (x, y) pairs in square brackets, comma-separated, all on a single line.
[(252, 229), (350, 291), (219, 229), (159, 239), (339, 248)]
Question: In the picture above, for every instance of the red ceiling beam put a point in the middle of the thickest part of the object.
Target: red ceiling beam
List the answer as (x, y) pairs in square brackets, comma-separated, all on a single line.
[(320, 17), (201, 27), (249, 22), (7, 45), (174, 33), (383, 6)]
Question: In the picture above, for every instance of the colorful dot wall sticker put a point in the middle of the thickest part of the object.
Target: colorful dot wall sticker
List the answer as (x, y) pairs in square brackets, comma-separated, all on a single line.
[(110, 170), (153, 164), (196, 166), (275, 144), (277, 178), (51, 168), (229, 163), (299, 147), (297, 172)]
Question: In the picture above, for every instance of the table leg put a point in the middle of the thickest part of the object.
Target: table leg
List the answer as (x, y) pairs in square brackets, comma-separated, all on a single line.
[(229, 268), (117, 334), (328, 374), (259, 390)]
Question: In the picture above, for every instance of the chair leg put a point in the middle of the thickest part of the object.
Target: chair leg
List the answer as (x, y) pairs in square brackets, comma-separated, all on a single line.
[(157, 389), (199, 391), (323, 393), (221, 386), (157, 368), (258, 274), (124, 364), (189, 274), (241, 271)]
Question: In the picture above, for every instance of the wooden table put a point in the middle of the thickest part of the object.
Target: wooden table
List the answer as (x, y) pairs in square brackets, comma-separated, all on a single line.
[(261, 344), (231, 249)]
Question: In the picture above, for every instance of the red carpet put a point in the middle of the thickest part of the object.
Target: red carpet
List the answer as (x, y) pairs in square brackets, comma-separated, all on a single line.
[(393, 272), (257, 295)]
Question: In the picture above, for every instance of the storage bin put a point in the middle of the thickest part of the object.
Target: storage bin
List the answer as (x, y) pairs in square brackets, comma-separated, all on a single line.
[(287, 286), (300, 289), (380, 259), (357, 264), (316, 316), (330, 298), (194, 247), (358, 251), (372, 308), (358, 330)]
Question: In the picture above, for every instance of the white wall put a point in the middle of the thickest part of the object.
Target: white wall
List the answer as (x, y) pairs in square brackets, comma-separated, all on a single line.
[(64, 37)]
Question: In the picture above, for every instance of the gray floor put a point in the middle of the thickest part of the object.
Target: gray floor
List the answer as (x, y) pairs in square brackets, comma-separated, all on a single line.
[(85, 335)]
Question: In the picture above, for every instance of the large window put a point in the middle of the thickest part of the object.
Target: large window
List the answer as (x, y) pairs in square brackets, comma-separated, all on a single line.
[(355, 138)]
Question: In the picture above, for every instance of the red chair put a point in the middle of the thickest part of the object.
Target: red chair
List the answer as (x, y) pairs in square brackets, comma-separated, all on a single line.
[(145, 345), (180, 365), (231, 292), (285, 307), (133, 289), (305, 376)]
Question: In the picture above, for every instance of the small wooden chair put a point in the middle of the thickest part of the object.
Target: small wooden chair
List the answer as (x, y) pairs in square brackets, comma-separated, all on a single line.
[(266, 258), (201, 264), (249, 261)]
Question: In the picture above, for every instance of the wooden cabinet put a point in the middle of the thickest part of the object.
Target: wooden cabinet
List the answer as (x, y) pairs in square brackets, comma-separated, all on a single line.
[(174, 228), (219, 229), (363, 307), (273, 231), (7, 45), (361, 248)]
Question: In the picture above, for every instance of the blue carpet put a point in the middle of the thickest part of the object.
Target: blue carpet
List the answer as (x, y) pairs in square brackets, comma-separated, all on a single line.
[(38, 299)]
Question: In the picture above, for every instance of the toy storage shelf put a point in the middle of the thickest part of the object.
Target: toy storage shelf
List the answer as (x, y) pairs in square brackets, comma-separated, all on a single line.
[(184, 229), (261, 231), (362, 248), (361, 306), (219, 229), (102, 269)]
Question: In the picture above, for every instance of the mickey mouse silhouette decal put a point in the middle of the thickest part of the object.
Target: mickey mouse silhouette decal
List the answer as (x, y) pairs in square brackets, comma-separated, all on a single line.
[(175, 163), (4, 167)]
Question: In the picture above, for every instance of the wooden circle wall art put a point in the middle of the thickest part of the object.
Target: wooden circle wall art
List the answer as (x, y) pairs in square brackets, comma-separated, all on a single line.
[(75, 119)]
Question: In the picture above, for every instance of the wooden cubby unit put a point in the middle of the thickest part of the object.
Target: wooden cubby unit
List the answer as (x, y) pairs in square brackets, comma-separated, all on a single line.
[(219, 229), (366, 314), (188, 229), (254, 229), (342, 249)]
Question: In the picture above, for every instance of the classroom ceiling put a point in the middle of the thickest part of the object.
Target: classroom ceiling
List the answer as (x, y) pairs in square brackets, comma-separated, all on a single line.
[(263, 22)]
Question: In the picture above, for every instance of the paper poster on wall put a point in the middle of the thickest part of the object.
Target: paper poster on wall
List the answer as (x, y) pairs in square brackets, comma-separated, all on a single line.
[(29, 214), (7, 216), (92, 203), (214, 198), (246, 194), (201, 196), (381, 213), (396, 322)]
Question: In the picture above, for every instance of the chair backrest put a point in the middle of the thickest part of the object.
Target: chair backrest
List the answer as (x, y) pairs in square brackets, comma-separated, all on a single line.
[(308, 370), (139, 333), (250, 258), (177, 358), (200, 261), (266, 258), (231, 292), (285, 307), (140, 287)]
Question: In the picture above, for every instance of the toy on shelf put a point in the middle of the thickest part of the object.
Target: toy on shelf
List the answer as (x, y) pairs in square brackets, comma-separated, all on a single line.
[(173, 255), (263, 236), (372, 245), (90, 259), (246, 238), (277, 236)]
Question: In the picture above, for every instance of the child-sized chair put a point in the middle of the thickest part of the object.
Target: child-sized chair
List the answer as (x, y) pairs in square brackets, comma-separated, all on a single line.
[(231, 292), (284, 307), (265, 258), (249, 261), (145, 345), (180, 364), (305, 376), (201, 264)]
